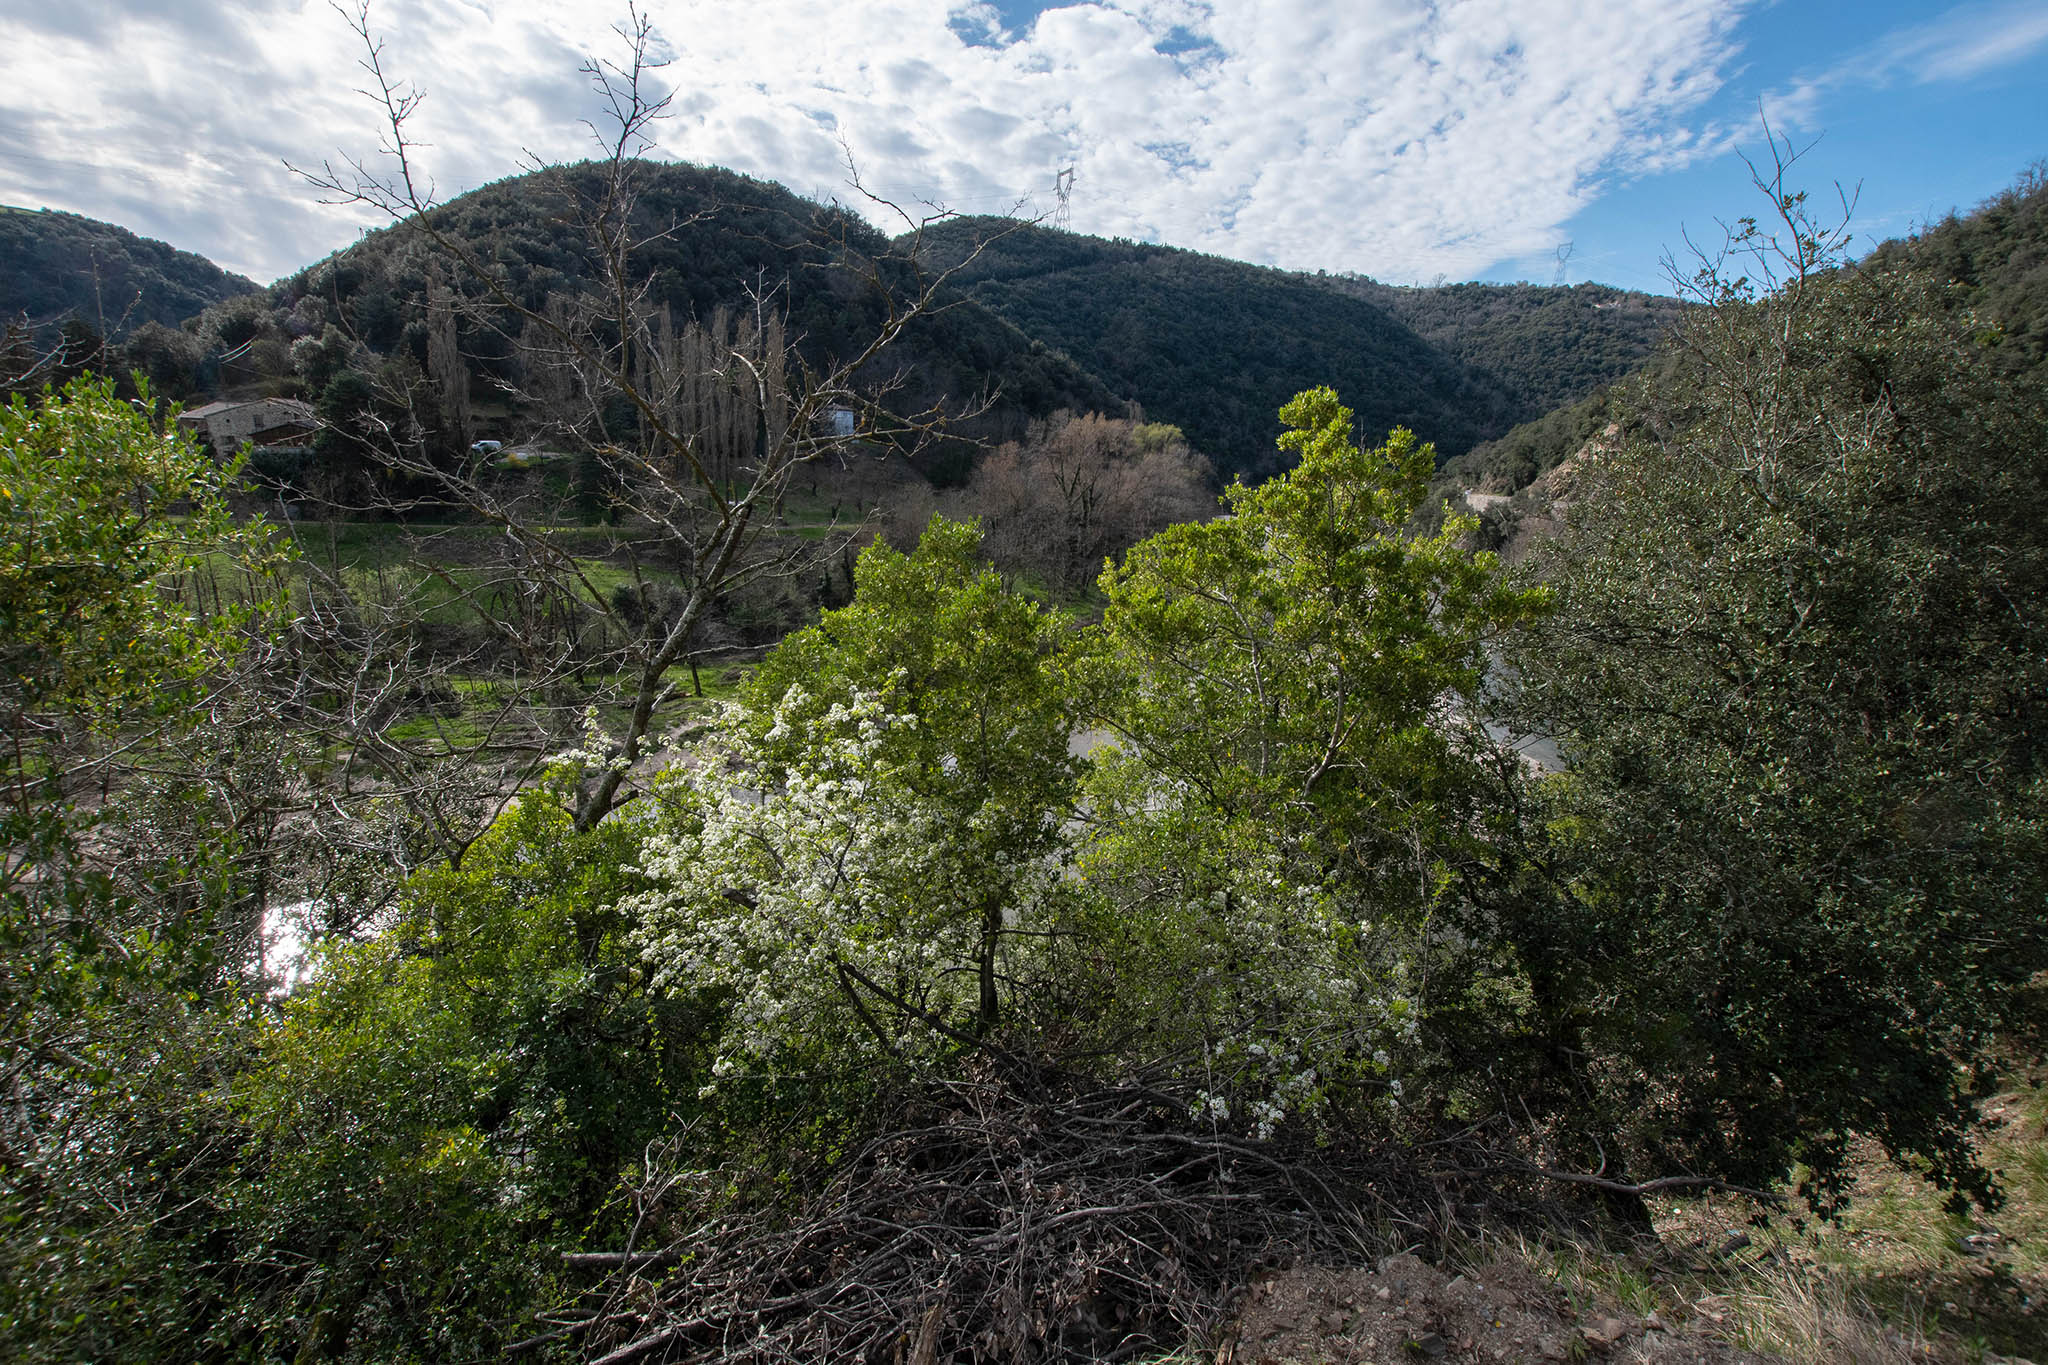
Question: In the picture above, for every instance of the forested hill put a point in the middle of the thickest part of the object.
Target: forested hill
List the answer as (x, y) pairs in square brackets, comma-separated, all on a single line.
[(57, 266), (709, 239), (1548, 346), (1216, 346), (1044, 320)]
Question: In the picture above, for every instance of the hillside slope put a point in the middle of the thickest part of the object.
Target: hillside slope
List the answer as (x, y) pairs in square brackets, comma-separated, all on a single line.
[(708, 240), (1993, 260), (55, 266), (1548, 346), (1216, 346), (1996, 259)]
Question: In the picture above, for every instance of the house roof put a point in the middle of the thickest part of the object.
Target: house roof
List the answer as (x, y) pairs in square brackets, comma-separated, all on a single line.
[(297, 409)]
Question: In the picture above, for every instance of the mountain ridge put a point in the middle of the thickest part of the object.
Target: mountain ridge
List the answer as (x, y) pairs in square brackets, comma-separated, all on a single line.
[(1044, 319)]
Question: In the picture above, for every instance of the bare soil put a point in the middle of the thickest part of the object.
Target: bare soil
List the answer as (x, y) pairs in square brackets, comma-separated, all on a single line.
[(1406, 1312)]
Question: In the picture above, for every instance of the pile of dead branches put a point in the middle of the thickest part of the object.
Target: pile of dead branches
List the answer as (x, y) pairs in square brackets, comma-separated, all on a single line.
[(1006, 1222)]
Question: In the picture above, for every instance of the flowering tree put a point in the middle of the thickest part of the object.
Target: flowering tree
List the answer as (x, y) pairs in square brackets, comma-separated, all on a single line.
[(879, 827), (884, 851)]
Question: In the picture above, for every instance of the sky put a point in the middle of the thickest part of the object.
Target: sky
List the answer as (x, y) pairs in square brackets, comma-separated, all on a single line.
[(1408, 140)]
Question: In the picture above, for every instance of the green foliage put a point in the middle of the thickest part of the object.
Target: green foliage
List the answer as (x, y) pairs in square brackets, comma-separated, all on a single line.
[(1798, 675), (859, 867), (104, 522), (117, 1148), (1216, 346), (937, 634), (454, 1099), (1289, 785), (882, 861), (1296, 656), (101, 513), (1995, 259), (169, 359), (121, 1004)]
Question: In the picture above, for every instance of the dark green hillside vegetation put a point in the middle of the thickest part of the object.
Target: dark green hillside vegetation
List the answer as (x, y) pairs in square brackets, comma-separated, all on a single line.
[(1798, 669), (1993, 261), (58, 266), (1529, 466), (1512, 462), (1548, 346), (706, 243), (1215, 346), (1996, 258)]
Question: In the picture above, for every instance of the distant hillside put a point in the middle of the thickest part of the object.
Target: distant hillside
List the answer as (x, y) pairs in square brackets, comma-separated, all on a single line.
[(1548, 346), (710, 239), (1215, 346), (55, 266), (1045, 320), (1514, 461)]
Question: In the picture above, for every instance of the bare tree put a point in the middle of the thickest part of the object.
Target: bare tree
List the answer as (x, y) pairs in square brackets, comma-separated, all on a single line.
[(688, 433), (1076, 490)]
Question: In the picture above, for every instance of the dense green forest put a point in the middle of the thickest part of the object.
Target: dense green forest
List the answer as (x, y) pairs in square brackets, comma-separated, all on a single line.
[(60, 266), (1215, 346), (1546, 345), (972, 977)]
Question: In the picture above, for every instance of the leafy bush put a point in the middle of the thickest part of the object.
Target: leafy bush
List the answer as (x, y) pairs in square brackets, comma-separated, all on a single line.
[(1798, 672), (456, 1098)]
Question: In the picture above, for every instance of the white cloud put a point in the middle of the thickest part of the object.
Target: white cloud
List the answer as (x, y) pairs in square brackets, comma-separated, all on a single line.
[(1395, 137), (1961, 44)]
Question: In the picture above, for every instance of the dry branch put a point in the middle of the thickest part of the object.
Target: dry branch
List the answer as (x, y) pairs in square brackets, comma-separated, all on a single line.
[(1005, 1222)]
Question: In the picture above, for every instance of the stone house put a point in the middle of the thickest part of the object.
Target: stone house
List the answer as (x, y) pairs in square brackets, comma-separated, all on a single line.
[(260, 421)]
